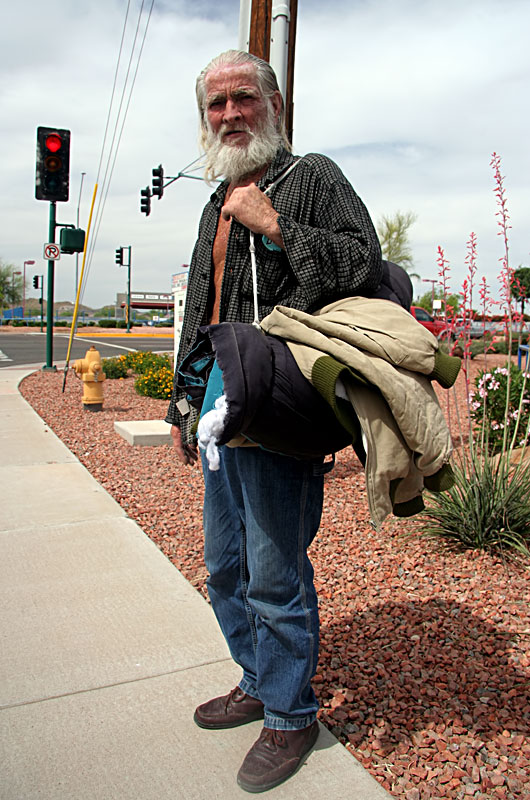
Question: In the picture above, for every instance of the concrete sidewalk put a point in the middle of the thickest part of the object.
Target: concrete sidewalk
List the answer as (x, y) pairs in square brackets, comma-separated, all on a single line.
[(106, 649)]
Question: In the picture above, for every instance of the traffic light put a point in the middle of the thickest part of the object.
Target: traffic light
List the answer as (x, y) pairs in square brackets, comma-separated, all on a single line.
[(158, 181), (145, 201), (119, 256), (35, 281), (52, 174), (72, 240)]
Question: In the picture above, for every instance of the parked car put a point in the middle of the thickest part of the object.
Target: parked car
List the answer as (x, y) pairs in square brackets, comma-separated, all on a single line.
[(472, 328), (435, 326), (477, 328)]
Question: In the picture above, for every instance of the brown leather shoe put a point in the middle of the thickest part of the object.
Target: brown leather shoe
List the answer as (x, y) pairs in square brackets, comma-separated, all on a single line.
[(274, 757), (229, 711)]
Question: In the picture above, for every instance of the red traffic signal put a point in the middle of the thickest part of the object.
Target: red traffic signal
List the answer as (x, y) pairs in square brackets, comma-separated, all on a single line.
[(53, 142), (53, 164)]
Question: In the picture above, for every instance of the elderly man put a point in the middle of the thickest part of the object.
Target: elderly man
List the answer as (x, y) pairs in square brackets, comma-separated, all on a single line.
[(315, 243)]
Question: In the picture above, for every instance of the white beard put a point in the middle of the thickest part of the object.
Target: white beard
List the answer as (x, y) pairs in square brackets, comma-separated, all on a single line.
[(233, 161)]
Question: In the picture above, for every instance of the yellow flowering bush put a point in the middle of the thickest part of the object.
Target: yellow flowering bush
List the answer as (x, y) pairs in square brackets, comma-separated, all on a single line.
[(142, 361), (154, 372), (155, 383)]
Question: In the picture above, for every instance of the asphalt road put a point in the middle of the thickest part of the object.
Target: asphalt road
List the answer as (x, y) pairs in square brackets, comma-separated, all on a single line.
[(22, 349)]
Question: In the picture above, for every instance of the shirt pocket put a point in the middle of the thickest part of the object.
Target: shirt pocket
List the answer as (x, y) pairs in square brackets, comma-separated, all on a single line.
[(274, 276)]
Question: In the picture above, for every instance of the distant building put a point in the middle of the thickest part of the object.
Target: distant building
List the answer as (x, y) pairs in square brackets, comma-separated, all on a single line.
[(179, 287), (147, 301)]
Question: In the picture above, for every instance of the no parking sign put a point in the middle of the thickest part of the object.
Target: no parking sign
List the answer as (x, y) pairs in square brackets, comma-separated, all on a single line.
[(52, 252)]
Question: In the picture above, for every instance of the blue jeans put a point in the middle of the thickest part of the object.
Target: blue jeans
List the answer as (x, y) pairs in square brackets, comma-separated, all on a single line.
[(261, 513)]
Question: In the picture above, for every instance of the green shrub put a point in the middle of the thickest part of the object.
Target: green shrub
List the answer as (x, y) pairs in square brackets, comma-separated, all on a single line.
[(115, 368), (155, 383), (107, 323)]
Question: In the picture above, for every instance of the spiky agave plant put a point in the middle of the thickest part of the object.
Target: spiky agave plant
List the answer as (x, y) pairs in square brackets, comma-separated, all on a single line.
[(486, 509)]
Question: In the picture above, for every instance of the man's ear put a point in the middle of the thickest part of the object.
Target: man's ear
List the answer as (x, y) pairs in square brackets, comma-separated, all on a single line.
[(277, 104)]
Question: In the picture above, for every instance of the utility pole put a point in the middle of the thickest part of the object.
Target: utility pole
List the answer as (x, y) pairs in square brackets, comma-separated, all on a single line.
[(260, 29), (289, 103), (263, 14)]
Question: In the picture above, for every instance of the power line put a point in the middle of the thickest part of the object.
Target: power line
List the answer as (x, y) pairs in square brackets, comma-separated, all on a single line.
[(118, 125), (113, 90)]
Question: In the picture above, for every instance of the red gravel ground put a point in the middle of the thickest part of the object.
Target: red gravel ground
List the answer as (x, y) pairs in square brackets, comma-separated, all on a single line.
[(424, 669)]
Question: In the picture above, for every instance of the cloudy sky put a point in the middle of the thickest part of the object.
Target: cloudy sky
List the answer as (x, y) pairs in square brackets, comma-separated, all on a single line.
[(411, 99)]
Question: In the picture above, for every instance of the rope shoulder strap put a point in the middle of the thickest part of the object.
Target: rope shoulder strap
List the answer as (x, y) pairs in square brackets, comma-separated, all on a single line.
[(281, 176), (252, 246)]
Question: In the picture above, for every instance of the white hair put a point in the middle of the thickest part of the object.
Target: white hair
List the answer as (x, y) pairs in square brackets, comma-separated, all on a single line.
[(266, 81)]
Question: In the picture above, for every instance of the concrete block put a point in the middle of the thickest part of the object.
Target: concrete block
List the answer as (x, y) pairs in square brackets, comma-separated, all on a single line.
[(148, 432)]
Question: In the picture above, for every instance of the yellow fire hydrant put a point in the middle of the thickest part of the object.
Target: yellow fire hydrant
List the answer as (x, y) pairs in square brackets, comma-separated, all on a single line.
[(89, 370)]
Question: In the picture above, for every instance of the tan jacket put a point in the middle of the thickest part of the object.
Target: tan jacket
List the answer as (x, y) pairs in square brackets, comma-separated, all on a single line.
[(404, 431)]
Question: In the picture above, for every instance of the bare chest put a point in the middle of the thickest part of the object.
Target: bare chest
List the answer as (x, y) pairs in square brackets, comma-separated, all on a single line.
[(220, 242)]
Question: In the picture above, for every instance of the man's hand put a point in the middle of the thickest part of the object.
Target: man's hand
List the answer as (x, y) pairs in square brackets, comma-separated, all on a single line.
[(186, 453), (253, 209)]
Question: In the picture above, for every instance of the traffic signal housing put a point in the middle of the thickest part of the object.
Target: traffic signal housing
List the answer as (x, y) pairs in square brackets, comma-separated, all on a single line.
[(72, 240), (158, 181), (145, 201), (36, 282), (52, 173), (119, 256)]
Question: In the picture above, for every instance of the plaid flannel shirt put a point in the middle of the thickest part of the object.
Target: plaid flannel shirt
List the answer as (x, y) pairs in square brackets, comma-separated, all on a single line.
[(331, 251)]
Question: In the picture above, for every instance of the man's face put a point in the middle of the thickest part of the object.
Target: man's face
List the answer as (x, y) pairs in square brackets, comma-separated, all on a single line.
[(235, 104)]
